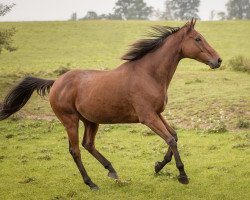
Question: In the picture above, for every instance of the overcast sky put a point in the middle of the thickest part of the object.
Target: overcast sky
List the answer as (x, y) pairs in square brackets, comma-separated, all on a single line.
[(46, 10)]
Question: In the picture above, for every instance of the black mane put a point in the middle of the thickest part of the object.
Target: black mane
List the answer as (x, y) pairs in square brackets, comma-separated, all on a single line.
[(144, 46)]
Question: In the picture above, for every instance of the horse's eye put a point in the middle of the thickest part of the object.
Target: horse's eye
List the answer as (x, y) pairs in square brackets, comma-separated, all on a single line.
[(198, 39)]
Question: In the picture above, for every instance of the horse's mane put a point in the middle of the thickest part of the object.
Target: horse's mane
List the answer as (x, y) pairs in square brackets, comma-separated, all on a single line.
[(155, 40)]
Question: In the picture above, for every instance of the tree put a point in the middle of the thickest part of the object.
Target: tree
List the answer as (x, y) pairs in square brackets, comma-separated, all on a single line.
[(91, 15), (238, 9), (183, 9), (221, 15), (167, 14), (212, 15), (4, 9), (158, 14), (6, 34), (73, 17), (132, 9)]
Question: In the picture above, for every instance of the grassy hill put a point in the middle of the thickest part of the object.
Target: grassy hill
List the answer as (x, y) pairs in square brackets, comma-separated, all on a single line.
[(198, 96), (98, 44), (209, 108)]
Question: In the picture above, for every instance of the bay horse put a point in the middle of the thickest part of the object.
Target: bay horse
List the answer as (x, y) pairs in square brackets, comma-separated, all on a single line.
[(135, 92)]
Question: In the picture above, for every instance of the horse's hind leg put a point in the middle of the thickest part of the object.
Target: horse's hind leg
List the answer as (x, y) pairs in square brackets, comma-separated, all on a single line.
[(169, 154), (88, 143), (71, 123)]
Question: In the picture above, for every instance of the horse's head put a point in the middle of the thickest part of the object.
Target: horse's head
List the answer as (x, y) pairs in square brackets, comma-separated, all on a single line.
[(196, 47)]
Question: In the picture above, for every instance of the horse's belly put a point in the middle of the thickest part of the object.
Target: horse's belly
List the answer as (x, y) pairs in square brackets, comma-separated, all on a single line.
[(103, 111), (110, 116), (112, 119)]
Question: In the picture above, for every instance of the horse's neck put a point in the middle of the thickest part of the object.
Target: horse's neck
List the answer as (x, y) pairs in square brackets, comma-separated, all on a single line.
[(162, 63)]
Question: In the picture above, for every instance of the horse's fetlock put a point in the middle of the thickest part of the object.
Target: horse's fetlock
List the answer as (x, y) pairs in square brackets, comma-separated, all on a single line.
[(87, 181), (108, 166), (180, 166)]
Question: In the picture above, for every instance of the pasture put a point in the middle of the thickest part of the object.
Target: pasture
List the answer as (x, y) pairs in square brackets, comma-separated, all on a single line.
[(207, 107)]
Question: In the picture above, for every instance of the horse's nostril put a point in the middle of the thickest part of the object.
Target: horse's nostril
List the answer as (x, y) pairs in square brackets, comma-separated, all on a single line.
[(219, 60)]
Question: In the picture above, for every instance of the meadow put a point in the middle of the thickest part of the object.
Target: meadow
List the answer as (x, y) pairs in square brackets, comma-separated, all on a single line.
[(209, 108)]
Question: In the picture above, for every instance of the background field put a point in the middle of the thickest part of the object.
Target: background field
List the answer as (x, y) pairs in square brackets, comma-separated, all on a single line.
[(203, 104)]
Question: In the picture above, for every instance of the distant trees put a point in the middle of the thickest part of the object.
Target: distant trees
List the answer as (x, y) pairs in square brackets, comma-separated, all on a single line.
[(132, 9), (238, 9), (166, 14), (173, 10), (126, 10), (218, 15), (212, 15), (221, 15), (181, 9), (6, 34), (91, 15)]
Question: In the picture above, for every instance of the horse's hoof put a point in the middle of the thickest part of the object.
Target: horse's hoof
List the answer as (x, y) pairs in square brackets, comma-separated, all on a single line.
[(183, 179), (94, 187), (157, 167), (113, 175)]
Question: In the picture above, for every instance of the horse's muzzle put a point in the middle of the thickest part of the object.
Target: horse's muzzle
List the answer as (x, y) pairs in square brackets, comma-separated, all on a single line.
[(215, 63)]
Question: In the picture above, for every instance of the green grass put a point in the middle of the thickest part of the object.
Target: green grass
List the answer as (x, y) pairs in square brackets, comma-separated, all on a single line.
[(34, 158), (100, 44), (35, 164)]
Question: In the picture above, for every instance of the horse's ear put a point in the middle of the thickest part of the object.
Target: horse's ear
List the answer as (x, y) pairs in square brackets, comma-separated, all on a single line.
[(194, 21), (191, 24)]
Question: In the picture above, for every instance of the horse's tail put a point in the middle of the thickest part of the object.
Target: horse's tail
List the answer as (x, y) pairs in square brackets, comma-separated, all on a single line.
[(21, 93)]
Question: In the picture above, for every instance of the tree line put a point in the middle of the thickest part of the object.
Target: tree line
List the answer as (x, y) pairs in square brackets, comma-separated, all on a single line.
[(173, 10)]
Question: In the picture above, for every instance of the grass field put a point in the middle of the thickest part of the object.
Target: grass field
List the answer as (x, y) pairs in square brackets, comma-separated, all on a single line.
[(208, 108), (35, 164)]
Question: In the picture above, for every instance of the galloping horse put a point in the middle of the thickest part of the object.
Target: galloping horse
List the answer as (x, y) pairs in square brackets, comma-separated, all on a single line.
[(135, 92)]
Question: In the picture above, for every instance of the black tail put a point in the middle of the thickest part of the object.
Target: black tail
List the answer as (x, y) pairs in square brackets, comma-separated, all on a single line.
[(21, 93)]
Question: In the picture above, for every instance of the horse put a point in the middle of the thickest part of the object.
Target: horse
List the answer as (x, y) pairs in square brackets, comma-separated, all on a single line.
[(134, 92)]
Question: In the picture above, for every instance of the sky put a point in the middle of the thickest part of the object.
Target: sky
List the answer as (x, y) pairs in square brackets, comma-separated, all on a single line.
[(51, 10)]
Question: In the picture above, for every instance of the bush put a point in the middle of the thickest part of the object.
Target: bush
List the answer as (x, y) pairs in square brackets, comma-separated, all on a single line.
[(240, 63), (242, 123)]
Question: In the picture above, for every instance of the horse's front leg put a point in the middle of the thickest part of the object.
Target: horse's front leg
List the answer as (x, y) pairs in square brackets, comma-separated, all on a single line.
[(154, 122), (169, 154)]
